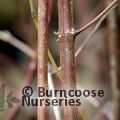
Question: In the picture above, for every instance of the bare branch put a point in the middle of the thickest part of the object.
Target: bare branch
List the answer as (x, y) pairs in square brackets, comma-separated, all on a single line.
[(50, 10), (82, 46), (10, 39), (114, 59), (77, 32), (42, 52), (66, 44)]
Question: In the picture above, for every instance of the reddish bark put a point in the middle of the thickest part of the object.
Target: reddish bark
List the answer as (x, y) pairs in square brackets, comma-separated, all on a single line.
[(66, 44), (42, 51)]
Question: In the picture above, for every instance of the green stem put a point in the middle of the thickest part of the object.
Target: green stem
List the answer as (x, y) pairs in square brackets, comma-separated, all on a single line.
[(33, 13)]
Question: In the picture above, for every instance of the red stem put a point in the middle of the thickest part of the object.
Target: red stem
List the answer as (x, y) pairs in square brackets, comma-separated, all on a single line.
[(66, 44), (42, 51)]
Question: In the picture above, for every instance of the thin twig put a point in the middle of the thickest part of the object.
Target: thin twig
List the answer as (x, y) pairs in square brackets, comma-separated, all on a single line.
[(9, 38), (56, 69), (82, 46), (77, 32), (33, 14)]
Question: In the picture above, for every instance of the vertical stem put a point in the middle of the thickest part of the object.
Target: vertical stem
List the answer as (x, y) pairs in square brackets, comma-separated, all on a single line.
[(66, 44), (42, 51), (114, 56)]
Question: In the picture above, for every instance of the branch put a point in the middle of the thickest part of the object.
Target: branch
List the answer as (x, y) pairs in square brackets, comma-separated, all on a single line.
[(10, 39), (66, 45), (82, 46), (50, 10), (114, 61), (56, 69), (77, 32), (42, 53)]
